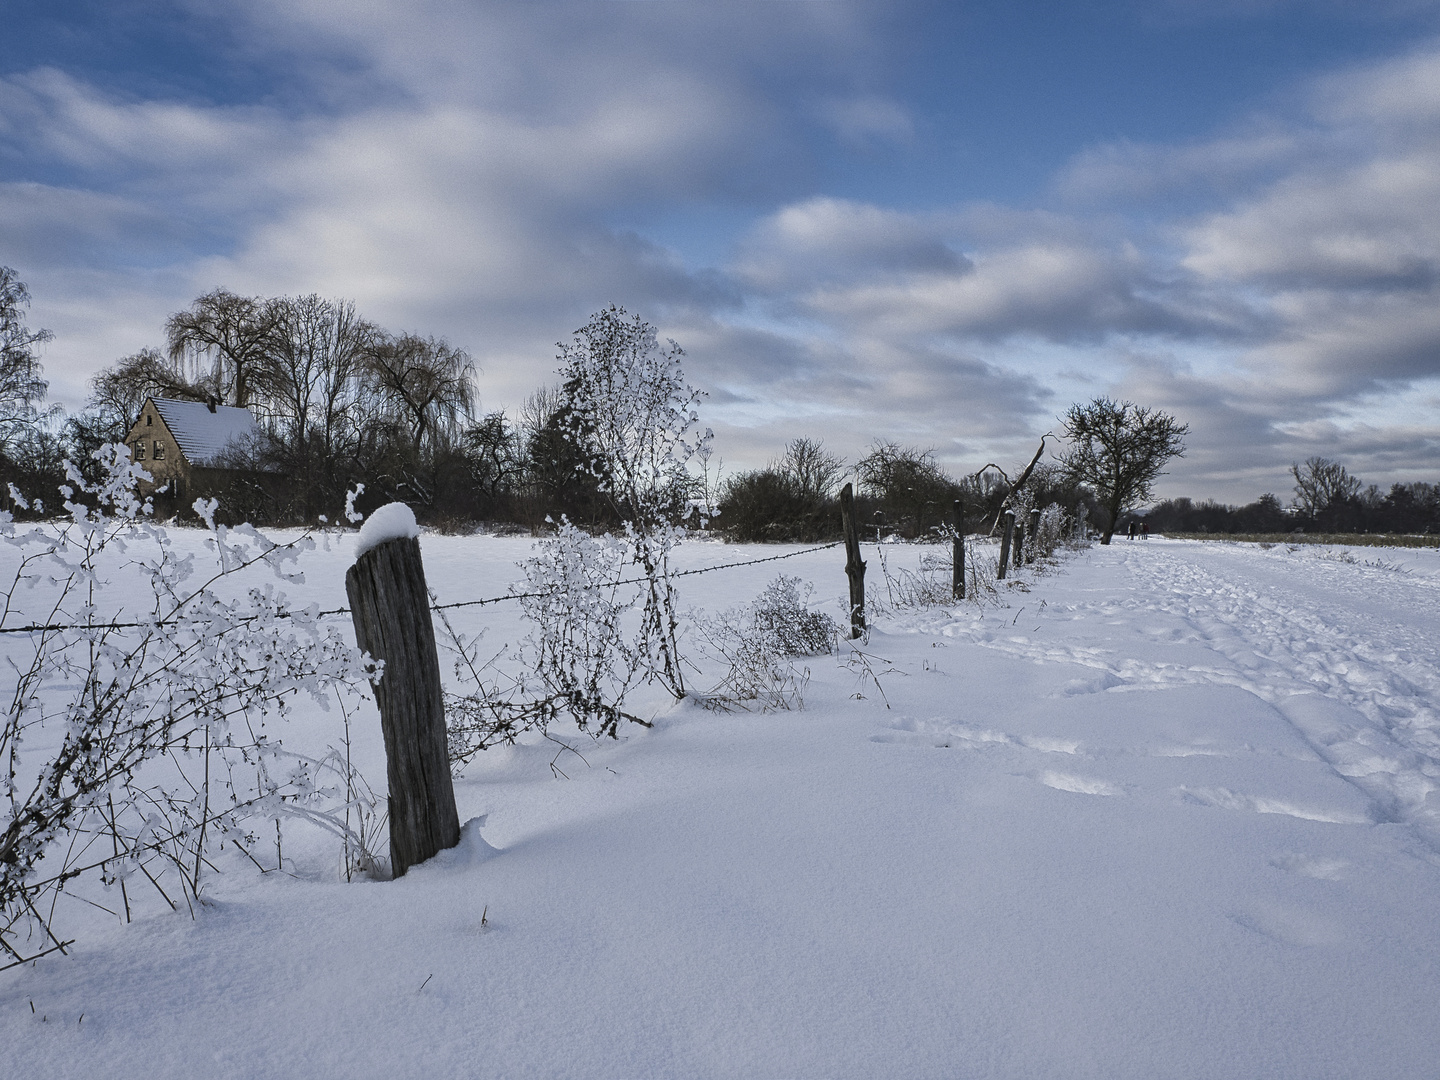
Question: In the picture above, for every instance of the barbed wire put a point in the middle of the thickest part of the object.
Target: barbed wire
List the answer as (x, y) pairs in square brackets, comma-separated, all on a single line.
[(332, 612)]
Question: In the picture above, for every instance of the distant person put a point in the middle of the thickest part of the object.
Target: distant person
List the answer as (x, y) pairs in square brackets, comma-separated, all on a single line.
[(1144, 528), (1131, 534)]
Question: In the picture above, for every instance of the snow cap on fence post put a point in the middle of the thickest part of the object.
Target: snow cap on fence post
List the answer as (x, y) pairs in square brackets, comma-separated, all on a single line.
[(391, 522)]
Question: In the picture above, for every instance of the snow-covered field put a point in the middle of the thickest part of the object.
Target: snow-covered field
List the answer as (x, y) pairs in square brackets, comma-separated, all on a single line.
[(1171, 812)]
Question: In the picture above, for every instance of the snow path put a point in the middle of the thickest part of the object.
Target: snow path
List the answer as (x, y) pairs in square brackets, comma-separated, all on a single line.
[(1334, 645)]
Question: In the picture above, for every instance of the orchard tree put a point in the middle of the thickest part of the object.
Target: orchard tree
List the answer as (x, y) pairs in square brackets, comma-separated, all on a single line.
[(1119, 448)]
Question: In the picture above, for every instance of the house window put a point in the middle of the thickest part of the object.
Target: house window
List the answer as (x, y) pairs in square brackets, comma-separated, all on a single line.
[(159, 450), (148, 419), (139, 449)]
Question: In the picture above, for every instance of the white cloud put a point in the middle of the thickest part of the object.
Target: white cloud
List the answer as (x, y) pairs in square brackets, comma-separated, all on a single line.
[(826, 239), (1404, 91), (867, 121), (463, 166)]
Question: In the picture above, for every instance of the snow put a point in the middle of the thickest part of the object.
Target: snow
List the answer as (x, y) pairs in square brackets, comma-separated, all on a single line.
[(393, 521), (1170, 811), (204, 434)]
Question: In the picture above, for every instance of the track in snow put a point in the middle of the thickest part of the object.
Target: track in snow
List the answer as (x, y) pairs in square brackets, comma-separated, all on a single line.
[(1347, 651)]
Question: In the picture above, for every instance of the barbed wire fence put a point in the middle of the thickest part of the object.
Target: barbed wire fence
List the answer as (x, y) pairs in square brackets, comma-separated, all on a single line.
[(31, 628)]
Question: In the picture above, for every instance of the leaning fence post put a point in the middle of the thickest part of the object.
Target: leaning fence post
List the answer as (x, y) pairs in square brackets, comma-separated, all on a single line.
[(391, 609), (854, 565), (1005, 540), (957, 558), (1034, 533)]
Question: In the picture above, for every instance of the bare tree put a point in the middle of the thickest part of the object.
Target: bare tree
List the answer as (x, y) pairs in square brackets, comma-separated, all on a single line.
[(538, 410), (309, 381), (1119, 449), (225, 341), (20, 383), (913, 491), (814, 470), (1321, 484), (496, 459), (424, 384), (118, 392)]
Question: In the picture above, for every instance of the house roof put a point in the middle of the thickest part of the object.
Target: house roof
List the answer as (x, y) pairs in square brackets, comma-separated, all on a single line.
[(202, 434)]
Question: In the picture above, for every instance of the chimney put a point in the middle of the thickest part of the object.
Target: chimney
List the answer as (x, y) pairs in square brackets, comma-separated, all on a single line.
[(210, 403)]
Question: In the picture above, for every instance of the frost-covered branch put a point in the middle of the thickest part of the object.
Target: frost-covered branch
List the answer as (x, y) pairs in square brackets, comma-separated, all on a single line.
[(154, 736)]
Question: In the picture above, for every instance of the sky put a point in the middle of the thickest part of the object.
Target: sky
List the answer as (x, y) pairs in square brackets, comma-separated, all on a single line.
[(934, 223)]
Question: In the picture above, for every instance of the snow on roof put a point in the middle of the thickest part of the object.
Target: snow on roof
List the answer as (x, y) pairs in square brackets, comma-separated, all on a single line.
[(201, 433)]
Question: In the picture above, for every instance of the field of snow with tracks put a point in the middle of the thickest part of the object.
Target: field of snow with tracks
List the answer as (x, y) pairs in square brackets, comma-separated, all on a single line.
[(1165, 809)]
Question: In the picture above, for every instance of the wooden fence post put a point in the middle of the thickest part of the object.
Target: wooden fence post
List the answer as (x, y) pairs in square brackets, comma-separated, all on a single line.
[(1034, 533), (854, 565), (957, 557), (390, 605), (1006, 538), (1019, 543)]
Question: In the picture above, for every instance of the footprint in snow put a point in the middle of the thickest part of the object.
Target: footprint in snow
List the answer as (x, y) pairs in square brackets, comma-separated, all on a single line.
[(1097, 685), (1081, 785), (1226, 799), (1314, 866), (1290, 925)]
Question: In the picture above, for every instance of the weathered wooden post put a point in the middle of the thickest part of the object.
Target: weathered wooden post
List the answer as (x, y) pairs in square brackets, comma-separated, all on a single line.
[(1019, 542), (391, 609), (1005, 540), (1034, 533), (957, 557), (854, 565)]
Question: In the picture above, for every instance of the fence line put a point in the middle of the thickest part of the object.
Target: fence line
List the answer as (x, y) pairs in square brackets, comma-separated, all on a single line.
[(330, 613)]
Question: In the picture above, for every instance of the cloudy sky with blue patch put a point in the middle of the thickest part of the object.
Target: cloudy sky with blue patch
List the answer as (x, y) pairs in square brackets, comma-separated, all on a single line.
[(936, 223)]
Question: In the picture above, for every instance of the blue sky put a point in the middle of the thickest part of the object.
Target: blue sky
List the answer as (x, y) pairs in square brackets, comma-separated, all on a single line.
[(938, 223)]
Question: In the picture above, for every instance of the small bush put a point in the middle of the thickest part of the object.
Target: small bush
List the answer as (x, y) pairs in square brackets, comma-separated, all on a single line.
[(757, 642)]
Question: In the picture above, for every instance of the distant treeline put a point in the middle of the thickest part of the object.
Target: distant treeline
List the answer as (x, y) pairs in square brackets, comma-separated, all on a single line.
[(1327, 500), (901, 491), (341, 402)]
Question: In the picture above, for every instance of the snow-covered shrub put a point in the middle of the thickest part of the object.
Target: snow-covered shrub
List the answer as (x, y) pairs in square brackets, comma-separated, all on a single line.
[(782, 615), (629, 406), (1049, 532), (580, 653), (1050, 536), (982, 567), (928, 585), (758, 641), (138, 735), (931, 583), (581, 660)]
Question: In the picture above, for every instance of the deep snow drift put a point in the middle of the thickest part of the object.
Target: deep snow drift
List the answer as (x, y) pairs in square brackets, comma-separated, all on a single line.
[(1169, 811)]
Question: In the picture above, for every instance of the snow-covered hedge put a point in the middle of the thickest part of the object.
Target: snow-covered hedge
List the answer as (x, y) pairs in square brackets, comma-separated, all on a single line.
[(141, 732)]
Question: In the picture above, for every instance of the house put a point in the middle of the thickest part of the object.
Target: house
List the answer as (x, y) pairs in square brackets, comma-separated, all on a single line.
[(195, 447)]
